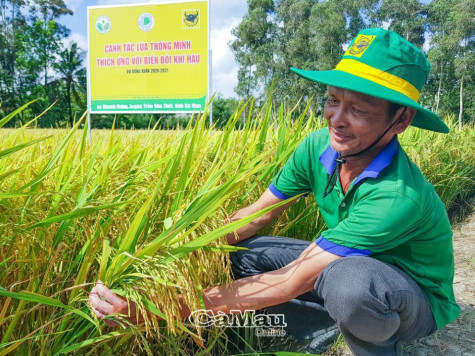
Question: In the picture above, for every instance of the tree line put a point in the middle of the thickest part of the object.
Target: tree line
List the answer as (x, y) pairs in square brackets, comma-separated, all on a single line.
[(35, 64), (309, 34), (273, 36)]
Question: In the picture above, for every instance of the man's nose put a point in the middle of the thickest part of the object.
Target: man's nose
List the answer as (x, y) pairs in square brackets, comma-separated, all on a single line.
[(338, 117)]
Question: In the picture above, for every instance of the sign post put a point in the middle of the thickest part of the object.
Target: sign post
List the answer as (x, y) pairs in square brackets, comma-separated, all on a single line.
[(149, 58)]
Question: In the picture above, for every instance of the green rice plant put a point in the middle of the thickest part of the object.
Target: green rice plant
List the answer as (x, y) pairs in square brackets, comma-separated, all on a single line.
[(142, 207), (145, 212)]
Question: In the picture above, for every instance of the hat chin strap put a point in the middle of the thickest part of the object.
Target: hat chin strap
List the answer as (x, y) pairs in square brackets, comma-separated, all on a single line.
[(341, 159)]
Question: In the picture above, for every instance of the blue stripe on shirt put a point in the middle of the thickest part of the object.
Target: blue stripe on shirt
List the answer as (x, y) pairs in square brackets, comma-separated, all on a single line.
[(339, 250), (278, 194)]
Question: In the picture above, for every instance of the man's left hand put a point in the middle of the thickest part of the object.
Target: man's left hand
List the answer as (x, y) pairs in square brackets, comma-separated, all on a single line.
[(104, 303)]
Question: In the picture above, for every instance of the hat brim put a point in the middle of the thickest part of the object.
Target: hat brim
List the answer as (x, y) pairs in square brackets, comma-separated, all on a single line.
[(424, 118)]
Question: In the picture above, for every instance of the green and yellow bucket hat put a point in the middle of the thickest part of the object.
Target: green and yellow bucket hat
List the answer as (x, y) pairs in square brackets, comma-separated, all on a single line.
[(383, 64)]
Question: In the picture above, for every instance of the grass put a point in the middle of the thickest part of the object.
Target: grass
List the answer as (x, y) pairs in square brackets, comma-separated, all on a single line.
[(148, 209)]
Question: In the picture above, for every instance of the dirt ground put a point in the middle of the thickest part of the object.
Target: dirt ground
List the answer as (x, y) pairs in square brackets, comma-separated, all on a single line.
[(457, 338)]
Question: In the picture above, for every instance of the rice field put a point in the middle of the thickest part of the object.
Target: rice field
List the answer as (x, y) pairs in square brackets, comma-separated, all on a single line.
[(146, 212)]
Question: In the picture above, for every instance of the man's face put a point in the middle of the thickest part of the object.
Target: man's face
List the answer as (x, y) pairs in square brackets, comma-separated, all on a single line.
[(355, 120)]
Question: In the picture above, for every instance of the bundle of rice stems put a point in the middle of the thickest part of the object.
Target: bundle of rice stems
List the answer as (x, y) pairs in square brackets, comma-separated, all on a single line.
[(142, 209)]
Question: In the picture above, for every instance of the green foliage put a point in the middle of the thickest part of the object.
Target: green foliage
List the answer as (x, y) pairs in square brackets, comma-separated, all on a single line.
[(73, 76), (223, 109), (35, 64), (408, 18), (253, 48), (41, 43), (452, 55), (275, 35)]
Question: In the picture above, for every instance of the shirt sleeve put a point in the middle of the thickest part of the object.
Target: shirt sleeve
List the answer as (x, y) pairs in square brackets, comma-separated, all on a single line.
[(293, 178), (377, 223)]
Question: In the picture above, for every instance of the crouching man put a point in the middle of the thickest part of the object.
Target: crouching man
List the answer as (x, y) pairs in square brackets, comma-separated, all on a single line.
[(383, 270)]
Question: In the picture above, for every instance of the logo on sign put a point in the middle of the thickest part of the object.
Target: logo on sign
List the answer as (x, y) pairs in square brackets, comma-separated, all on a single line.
[(146, 21), (103, 24), (191, 18)]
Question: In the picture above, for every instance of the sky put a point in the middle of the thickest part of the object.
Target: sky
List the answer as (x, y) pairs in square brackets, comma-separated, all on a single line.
[(224, 16)]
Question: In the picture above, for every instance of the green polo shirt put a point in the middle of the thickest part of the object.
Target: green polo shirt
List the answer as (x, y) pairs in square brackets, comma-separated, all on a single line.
[(390, 212)]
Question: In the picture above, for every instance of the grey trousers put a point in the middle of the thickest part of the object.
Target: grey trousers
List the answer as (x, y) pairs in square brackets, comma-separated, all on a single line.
[(375, 305)]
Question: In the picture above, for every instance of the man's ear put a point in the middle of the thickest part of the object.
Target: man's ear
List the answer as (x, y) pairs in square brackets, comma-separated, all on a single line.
[(404, 121)]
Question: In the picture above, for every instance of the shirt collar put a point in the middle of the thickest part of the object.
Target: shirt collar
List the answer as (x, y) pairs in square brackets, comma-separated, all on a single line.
[(381, 161)]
